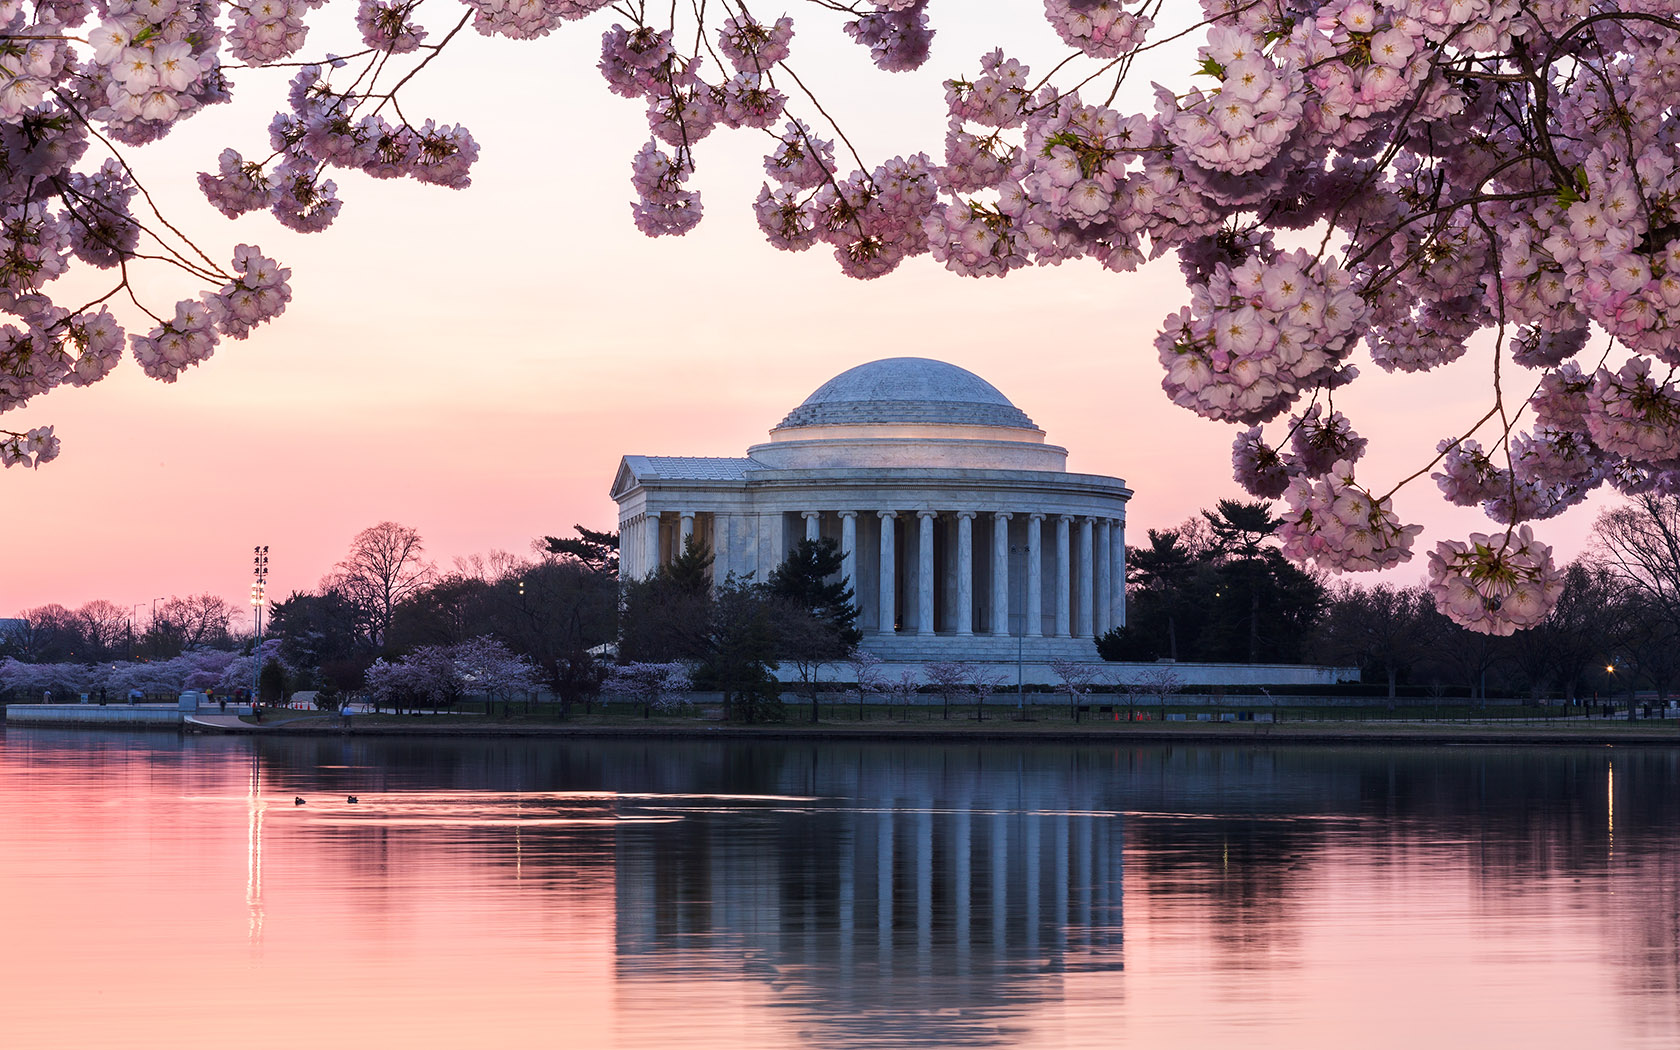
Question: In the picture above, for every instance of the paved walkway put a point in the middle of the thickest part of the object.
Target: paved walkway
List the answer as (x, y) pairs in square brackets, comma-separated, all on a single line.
[(225, 723)]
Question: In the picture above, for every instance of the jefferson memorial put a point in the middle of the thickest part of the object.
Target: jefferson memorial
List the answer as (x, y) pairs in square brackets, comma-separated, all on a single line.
[(963, 533)]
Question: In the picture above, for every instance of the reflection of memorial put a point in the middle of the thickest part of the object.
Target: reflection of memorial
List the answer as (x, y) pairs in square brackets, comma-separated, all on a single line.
[(930, 916)]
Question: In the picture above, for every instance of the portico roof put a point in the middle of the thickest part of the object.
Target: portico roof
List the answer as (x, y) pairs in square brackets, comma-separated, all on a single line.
[(634, 470)]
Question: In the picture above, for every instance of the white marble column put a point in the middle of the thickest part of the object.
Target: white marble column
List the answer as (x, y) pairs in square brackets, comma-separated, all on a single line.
[(924, 574), (813, 524), (1064, 577), (965, 572), (1035, 575), (721, 554), (1105, 584), (848, 555), (651, 538), (1000, 574), (685, 530), (888, 570), (1117, 555), (1087, 575)]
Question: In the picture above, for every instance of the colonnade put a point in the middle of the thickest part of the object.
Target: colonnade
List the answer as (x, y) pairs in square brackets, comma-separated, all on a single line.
[(1086, 587), (990, 573)]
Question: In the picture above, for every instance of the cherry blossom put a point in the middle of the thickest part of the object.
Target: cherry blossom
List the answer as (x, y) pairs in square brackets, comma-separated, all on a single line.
[(1335, 524), (1462, 186), (1495, 585)]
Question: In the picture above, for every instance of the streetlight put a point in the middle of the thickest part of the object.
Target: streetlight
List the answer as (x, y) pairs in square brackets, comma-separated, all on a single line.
[(259, 594)]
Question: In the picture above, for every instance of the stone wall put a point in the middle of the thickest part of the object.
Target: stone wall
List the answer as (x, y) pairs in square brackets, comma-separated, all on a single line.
[(161, 715)]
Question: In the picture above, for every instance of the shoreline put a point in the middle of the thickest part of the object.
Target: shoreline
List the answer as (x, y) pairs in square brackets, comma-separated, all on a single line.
[(1557, 734), (962, 727)]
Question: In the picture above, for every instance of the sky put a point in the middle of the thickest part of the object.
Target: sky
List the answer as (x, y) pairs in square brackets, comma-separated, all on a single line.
[(474, 363)]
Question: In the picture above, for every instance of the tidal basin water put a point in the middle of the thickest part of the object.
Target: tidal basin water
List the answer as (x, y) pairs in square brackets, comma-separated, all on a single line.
[(165, 892)]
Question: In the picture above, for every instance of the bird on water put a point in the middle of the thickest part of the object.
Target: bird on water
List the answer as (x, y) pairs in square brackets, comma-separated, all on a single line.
[(297, 800), (352, 800)]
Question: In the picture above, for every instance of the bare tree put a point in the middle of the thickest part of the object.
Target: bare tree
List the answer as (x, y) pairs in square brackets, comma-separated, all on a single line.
[(948, 678), (103, 625), (904, 689), (1076, 679), (1562, 650), (985, 681), (866, 668), (197, 619), (386, 564), (1159, 682), (1639, 542), (1383, 627), (47, 633)]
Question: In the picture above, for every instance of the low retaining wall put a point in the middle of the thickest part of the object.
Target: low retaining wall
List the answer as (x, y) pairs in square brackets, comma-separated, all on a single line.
[(1031, 673), (163, 715)]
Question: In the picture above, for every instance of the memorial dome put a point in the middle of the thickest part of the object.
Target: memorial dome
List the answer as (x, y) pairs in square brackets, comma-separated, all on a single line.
[(907, 390)]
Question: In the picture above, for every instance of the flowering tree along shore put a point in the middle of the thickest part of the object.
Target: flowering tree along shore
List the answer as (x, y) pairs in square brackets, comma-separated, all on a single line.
[(1339, 180)]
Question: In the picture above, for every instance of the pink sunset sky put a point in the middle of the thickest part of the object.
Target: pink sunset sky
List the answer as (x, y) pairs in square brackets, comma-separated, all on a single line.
[(474, 363)]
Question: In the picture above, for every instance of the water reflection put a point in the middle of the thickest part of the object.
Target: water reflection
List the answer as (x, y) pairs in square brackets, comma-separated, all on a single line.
[(937, 921), (639, 893)]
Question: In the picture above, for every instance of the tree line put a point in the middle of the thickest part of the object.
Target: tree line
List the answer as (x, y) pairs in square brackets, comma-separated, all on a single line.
[(387, 624), (1215, 588)]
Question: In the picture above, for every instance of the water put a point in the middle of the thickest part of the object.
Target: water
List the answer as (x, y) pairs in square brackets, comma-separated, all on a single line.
[(166, 892)]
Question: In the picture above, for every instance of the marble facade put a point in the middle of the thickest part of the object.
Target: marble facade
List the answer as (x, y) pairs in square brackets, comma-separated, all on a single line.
[(962, 532)]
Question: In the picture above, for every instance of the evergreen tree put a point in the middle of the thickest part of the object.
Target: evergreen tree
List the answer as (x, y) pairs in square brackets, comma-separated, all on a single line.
[(668, 615), (1216, 588), (810, 579), (271, 682), (597, 550), (741, 652)]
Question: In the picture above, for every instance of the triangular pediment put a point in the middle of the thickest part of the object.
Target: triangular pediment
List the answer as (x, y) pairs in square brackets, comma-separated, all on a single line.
[(626, 478)]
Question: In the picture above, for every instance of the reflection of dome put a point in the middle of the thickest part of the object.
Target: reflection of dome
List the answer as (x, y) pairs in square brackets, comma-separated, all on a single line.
[(907, 390)]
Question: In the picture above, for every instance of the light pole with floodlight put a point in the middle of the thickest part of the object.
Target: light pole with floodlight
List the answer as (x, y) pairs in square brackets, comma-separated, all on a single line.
[(259, 594)]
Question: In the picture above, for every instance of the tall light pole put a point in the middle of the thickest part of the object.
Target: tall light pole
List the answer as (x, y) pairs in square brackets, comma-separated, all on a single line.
[(259, 594)]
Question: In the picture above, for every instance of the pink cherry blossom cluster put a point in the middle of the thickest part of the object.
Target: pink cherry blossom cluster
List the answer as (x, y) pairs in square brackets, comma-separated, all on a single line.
[(1100, 28), (102, 232), (386, 26), (1258, 467), (260, 293), (528, 19), (1256, 336), (1334, 523), (801, 161), (752, 46), (239, 186), (29, 65), (1319, 442), (1467, 475), (267, 30), (28, 449), (154, 62), (664, 206), (896, 33), (875, 221), (1636, 415), (1244, 123), (1495, 585), (54, 347)]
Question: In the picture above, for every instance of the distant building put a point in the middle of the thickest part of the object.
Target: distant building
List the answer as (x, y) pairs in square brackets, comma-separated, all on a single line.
[(960, 527)]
